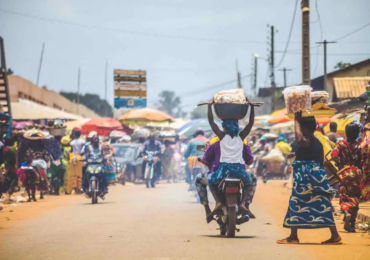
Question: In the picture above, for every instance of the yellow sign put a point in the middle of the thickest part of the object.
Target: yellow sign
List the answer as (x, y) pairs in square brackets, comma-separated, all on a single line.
[(129, 93)]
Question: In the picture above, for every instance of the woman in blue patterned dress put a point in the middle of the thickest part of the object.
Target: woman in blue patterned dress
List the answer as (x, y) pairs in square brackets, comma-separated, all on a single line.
[(310, 203)]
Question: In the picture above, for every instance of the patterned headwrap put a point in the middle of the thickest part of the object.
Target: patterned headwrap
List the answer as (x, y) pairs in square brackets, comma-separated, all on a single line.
[(232, 126)]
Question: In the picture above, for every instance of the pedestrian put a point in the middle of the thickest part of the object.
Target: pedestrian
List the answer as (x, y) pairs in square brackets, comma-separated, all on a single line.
[(76, 164), (109, 167), (68, 180), (332, 135), (28, 177), (167, 165), (10, 155), (310, 202), (347, 156), (365, 153)]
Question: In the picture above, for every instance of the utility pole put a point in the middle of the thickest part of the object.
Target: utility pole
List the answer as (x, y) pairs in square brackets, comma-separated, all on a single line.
[(285, 70), (238, 75), (106, 80), (40, 65), (272, 57), (305, 6), (78, 91), (325, 42), (255, 76)]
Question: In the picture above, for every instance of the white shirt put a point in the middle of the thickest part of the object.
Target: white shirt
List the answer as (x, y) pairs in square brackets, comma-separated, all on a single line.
[(231, 149), (77, 145)]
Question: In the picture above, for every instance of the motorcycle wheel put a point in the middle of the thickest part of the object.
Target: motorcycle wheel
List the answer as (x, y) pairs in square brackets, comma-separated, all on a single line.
[(231, 222), (147, 182), (152, 182), (264, 178), (94, 196)]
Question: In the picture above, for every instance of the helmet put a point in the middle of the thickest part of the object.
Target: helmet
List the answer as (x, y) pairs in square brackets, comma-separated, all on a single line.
[(65, 140), (92, 134)]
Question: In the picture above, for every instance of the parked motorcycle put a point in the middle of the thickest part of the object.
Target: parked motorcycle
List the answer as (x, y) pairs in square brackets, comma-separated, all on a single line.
[(151, 158), (95, 174), (230, 195)]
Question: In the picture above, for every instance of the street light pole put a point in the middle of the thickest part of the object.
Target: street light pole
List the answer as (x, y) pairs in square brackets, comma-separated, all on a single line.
[(285, 70), (325, 42)]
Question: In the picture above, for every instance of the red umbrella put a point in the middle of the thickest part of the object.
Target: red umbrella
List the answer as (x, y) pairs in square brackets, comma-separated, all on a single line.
[(102, 125)]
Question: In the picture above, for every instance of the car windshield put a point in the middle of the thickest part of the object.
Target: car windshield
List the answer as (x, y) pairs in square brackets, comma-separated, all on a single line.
[(127, 152)]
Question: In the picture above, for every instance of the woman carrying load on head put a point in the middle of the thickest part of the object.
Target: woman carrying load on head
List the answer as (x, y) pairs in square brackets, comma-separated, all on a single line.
[(310, 202), (231, 162), (347, 156), (109, 167)]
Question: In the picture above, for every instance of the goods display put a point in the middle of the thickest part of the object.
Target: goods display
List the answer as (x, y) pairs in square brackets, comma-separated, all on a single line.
[(274, 156), (297, 98), (319, 97), (235, 96)]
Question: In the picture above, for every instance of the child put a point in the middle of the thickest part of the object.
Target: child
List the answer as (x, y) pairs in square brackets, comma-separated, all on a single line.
[(28, 177)]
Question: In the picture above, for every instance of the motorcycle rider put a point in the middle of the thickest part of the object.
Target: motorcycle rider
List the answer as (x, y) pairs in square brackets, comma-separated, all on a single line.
[(94, 150), (153, 145), (283, 146), (211, 158), (192, 151)]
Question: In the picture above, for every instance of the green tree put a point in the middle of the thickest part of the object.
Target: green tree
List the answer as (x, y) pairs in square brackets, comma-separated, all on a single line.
[(10, 71), (170, 103), (92, 101), (341, 65), (199, 112)]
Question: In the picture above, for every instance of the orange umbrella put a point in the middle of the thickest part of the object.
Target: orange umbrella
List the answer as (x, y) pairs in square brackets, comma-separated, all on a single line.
[(146, 115), (102, 125), (279, 117)]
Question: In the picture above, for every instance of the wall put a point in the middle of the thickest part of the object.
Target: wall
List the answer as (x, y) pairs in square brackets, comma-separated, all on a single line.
[(23, 88)]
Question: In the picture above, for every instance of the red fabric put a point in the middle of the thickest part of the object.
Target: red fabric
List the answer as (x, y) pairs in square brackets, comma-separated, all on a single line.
[(199, 138), (103, 126)]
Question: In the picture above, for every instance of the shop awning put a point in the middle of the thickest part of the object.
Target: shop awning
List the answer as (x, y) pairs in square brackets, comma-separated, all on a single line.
[(350, 87)]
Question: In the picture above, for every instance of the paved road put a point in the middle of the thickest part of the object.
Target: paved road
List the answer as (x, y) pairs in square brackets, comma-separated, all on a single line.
[(165, 223)]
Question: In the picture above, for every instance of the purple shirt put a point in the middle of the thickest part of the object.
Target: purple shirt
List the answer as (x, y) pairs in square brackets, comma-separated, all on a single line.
[(213, 154)]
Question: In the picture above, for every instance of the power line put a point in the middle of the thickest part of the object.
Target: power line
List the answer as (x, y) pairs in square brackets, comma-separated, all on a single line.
[(353, 32), (159, 35), (290, 33)]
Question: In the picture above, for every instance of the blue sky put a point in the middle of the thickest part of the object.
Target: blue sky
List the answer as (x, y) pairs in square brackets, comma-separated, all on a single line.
[(185, 46)]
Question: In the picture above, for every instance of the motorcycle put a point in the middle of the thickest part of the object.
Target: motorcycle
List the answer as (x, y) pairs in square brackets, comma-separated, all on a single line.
[(95, 174), (149, 175), (230, 196)]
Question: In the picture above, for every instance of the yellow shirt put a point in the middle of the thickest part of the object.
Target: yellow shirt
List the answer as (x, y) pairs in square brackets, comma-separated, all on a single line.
[(284, 147)]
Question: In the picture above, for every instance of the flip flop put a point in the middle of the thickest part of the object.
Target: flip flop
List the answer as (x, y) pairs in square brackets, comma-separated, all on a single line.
[(210, 218), (332, 242), (287, 241)]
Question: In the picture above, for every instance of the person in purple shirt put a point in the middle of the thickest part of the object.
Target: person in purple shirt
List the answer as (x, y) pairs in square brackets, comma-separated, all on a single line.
[(211, 158)]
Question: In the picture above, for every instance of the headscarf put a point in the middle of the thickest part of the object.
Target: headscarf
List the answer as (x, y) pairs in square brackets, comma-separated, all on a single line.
[(65, 140), (359, 125), (232, 126)]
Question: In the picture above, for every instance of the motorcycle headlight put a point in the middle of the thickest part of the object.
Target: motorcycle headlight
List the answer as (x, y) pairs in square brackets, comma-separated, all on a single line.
[(90, 160), (98, 169), (90, 169)]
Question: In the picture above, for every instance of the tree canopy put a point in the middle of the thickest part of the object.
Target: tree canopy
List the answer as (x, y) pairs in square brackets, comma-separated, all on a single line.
[(170, 103), (341, 65), (92, 101)]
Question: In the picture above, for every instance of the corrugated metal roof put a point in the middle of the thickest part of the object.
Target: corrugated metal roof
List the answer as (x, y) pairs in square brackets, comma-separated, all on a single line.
[(28, 110), (350, 87)]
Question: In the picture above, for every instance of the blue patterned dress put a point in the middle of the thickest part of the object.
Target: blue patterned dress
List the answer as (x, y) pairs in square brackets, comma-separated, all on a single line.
[(310, 203)]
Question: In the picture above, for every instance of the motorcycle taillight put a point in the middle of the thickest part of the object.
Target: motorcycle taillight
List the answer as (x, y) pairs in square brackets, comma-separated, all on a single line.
[(232, 189)]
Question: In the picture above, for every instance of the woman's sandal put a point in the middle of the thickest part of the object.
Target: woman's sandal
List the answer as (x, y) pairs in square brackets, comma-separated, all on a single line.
[(337, 241), (287, 241), (210, 218)]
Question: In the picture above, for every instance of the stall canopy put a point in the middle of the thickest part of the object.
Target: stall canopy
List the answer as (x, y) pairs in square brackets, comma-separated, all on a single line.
[(70, 125), (28, 110), (280, 116), (103, 126), (144, 115)]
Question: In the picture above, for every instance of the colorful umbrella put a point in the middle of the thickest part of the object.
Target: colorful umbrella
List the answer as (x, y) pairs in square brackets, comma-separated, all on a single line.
[(145, 115), (280, 116), (103, 126)]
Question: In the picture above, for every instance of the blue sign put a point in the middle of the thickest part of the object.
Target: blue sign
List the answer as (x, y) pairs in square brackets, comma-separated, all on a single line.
[(129, 102)]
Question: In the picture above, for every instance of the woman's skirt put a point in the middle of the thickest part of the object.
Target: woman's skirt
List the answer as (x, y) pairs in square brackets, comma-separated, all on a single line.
[(349, 189), (310, 203), (229, 170), (110, 174)]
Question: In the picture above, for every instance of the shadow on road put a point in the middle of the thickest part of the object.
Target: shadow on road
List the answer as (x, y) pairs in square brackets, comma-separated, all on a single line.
[(236, 237), (102, 203)]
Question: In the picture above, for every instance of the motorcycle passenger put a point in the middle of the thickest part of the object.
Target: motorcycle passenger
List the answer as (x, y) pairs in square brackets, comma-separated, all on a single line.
[(231, 160), (191, 152), (94, 150), (211, 158), (153, 145)]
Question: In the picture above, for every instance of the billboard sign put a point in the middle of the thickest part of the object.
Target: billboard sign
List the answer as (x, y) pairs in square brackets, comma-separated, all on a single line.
[(130, 88)]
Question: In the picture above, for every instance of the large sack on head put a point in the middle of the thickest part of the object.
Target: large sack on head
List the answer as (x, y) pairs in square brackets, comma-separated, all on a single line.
[(274, 156)]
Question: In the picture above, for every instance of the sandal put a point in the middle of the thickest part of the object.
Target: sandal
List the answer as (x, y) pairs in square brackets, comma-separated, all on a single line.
[(210, 218), (287, 241), (337, 241)]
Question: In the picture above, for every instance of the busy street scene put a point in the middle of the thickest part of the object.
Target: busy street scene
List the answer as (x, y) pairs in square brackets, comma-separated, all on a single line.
[(184, 129)]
